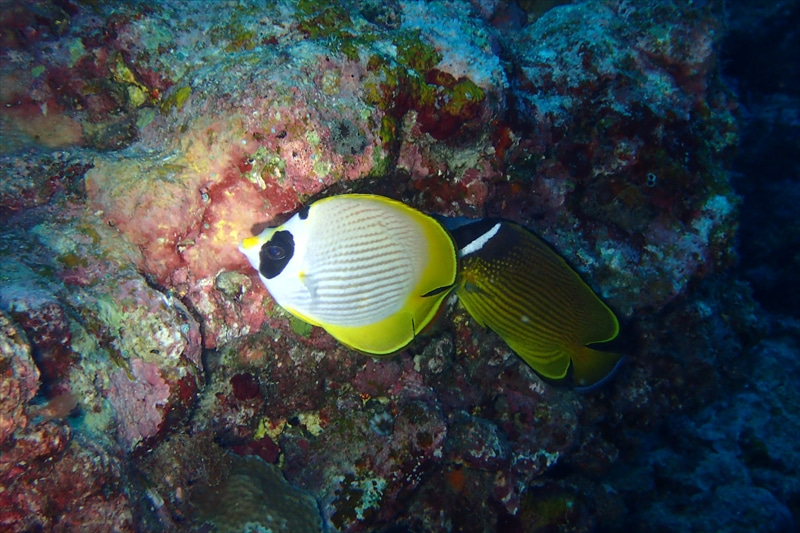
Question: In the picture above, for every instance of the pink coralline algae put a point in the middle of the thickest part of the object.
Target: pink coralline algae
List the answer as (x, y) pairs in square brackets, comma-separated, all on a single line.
[(139, 400), (42, 319), (20, 381), (52, 479), (142, 360)]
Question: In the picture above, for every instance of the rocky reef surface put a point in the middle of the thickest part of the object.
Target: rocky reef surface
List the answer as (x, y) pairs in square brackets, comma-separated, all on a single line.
[(149, 382)]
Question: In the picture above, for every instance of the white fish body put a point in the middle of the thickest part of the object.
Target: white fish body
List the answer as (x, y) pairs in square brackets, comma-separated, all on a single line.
[(370, 270)]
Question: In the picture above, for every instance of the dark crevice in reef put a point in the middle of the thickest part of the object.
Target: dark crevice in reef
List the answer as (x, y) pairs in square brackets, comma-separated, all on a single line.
[(761, 60)]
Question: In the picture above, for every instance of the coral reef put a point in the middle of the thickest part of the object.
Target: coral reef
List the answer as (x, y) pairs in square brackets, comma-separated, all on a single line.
[(146, 369), (53, 478), (646, 166), (254, 496), (742, 466)]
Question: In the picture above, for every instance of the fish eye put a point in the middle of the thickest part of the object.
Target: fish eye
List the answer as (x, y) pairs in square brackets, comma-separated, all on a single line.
[(276, 253)]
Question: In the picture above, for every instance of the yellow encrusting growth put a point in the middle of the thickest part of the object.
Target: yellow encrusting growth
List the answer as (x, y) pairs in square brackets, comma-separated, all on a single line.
[(271, 428)]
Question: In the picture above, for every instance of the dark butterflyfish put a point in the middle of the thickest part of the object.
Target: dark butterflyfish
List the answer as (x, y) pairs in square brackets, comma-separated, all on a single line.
[(515, 284), (374, 272)]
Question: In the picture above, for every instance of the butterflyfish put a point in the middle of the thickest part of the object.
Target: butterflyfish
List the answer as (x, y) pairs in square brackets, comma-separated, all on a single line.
[(513, 283), (371, 271), (374, 272)]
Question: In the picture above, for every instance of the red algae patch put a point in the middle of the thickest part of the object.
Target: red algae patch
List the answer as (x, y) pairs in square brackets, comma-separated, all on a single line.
[(155, 204), (33, 124)]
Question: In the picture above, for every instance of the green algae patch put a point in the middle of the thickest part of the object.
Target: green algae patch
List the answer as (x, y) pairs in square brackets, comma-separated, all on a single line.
[(175, 100), (242, 40), (415, 54), (445, 105), (300, 327), (73, 260), (76, 51), (388, 129), (322, 19), (465, 92)]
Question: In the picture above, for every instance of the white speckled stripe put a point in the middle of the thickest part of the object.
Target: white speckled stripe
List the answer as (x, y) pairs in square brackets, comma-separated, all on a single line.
[(480, 242), (362, 263)]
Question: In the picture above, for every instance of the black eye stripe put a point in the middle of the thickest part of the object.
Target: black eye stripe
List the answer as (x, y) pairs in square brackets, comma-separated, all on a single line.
[(275, 254)]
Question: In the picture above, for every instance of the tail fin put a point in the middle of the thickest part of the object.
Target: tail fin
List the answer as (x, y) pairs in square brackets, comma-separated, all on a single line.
[(592, 367)]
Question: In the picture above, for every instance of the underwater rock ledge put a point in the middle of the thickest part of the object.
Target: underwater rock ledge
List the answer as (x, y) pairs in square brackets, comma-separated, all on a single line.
[(143, 363)]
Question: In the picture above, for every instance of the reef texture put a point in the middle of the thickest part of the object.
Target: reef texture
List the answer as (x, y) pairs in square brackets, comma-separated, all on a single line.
[(149, 382)]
